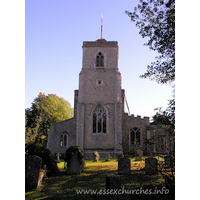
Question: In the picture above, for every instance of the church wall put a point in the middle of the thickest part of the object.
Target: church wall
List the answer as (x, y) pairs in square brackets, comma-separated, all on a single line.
[(109, 91), (130, 122), (54, 135), (99, 140), (110, 56), (162, 132), (104, 143)]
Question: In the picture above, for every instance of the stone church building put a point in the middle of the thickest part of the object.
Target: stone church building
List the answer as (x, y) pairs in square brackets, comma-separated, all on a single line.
[(99, 122)]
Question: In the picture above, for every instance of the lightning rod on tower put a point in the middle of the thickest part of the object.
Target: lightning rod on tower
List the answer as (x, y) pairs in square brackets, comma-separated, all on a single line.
[(101, 26)]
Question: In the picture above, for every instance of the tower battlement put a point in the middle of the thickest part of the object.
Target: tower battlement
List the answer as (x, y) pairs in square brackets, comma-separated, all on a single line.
[(100, 43)]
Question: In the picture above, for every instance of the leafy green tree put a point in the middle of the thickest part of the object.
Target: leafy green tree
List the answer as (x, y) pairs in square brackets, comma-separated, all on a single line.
[(166, 117), (33, 118), (58, 108), (45, 110), (156, 21)]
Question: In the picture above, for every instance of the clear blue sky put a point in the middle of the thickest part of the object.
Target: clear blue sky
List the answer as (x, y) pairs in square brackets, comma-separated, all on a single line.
[(54, 34)]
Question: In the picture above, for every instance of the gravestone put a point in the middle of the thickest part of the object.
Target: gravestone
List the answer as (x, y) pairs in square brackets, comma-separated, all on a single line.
[(113, 182), (73, 165), (151, 166), (108, 158), (138, 158), (113, 185), (124, 166), (32, 171), (58, 157)]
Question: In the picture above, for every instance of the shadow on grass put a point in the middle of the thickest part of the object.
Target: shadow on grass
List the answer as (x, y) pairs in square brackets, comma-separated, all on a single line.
[(64, 186)]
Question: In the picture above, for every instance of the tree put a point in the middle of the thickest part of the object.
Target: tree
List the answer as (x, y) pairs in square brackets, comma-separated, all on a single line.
[(45, 110), (33, 117), (156, 21), (166, 117)]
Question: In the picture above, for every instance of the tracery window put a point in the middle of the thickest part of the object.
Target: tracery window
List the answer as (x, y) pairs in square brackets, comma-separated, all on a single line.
[(63, 139), (99, 60), (135, 136), (99, 119)]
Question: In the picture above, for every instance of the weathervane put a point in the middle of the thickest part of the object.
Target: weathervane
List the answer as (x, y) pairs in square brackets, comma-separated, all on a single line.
[(101, 26)]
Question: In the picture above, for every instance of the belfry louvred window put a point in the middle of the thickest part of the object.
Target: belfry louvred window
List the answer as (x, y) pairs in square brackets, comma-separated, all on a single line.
[(99, 60), (99, 120)]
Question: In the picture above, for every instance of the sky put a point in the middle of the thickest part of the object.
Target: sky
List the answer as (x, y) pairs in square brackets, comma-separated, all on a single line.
[(54, 35)]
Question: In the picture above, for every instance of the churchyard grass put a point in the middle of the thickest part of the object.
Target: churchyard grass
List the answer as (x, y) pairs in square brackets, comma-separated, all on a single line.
[(94, 177)]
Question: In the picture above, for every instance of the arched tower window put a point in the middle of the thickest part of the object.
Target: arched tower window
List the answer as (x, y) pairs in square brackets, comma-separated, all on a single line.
[(99, 60), (99, 119), (64, 139), (135, 136)]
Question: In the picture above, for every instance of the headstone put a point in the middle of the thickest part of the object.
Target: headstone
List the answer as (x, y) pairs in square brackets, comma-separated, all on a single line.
[(138, 158), (113, 182), (73, 165), (108, 158), (32, 171), (151, 166), (124, 166)]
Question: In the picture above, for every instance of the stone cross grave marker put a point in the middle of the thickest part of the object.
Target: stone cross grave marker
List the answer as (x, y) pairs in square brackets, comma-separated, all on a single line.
[(58, 157), (73, 165), (32, 171), (151, 166), (124, 166)]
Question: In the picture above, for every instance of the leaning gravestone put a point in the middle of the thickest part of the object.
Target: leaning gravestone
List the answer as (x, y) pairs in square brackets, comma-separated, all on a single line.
[(151, 166), (73, 165), (124, 166), (32, 171)]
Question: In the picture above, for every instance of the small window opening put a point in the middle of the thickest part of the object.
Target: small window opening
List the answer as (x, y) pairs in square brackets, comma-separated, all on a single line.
[(63, 139)]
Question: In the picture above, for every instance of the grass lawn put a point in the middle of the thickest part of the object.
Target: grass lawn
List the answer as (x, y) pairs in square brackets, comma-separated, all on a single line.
[(94, 177)]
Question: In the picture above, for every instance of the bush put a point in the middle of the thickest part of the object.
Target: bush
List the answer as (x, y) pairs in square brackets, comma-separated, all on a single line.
[(139, 152), (95, 156), (134, 151), (120, 156), (47, 160), (80, 153)]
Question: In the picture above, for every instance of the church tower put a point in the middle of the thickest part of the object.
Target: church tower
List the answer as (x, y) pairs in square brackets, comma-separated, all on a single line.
[(99, 102), (99, 122)]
